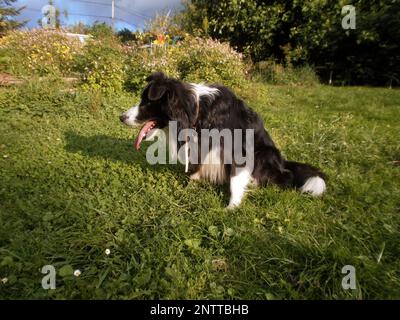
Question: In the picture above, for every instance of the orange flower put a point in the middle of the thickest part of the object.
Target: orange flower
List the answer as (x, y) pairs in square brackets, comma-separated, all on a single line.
[(160, 39)]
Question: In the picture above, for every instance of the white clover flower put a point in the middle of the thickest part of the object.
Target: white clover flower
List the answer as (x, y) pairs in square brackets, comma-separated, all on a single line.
[(4, 280), (77, 273), (108, 251)]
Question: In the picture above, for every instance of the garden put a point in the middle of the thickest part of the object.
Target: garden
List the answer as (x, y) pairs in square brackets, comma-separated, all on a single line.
[(76, 195)]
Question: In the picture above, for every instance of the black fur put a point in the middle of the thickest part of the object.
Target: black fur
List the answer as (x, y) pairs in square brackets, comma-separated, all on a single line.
[(166, 99)]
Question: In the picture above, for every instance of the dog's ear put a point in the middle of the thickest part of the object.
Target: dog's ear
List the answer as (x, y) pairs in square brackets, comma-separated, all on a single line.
[(156, 76), (182, 108), (157, 87), (156, 91)]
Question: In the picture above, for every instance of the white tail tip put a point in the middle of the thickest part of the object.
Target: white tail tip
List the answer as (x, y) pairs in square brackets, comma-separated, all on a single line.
[(315, 186)]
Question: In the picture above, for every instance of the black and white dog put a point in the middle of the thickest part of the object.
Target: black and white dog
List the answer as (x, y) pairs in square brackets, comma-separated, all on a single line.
[(197, 107)]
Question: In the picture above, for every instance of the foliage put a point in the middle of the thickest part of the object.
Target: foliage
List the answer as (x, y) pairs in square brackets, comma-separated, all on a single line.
[(311, 30), (143, 61), (101, 30), (368, 55), (248, 25), (191, 59), (38, 52), (7, 15), (211, 61), (164, 23), (275, 73), (101, 65), (125, 35), (72, 186), (79, 27)]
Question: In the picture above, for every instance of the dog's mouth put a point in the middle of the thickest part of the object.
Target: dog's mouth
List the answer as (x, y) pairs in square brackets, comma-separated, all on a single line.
[(147, 127)]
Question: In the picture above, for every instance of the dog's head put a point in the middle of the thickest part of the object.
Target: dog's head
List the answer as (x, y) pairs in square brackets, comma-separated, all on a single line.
[(162, 100)]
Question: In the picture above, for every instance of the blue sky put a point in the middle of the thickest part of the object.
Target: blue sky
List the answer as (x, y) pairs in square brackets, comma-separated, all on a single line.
[(129, 14)]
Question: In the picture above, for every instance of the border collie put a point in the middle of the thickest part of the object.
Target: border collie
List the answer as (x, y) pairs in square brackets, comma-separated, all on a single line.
[(199, 106)]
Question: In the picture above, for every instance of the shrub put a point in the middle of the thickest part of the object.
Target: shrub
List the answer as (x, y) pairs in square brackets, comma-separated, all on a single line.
[(143, 61), (211, 61), (38, 52), (101, 30), (104, 64), (192, 59), (126, 35), (101, 64)]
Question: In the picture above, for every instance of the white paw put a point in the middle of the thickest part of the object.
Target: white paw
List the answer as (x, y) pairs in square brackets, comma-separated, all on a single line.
[(233, 205)]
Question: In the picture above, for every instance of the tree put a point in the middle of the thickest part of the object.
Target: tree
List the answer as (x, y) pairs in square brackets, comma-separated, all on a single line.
[(7, 14), (307, 32), (126, 35), (101, 30)]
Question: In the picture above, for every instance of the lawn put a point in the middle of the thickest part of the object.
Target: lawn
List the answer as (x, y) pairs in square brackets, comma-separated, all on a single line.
[(72, 186)]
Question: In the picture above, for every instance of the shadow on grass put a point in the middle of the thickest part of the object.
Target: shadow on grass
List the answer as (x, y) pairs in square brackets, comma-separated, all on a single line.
[(122, 150), (114, 149)]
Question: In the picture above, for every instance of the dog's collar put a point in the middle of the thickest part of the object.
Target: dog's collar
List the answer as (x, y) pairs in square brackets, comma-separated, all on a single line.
[(193, 126)]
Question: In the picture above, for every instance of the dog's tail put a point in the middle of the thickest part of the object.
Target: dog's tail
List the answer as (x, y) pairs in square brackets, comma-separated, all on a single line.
[(307, 178), (272, 168)]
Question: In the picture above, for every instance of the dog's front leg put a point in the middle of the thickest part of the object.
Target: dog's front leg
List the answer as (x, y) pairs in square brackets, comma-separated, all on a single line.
[(239, 183)]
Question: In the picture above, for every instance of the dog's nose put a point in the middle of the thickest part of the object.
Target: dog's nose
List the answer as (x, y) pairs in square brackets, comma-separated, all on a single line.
[(123, 117)]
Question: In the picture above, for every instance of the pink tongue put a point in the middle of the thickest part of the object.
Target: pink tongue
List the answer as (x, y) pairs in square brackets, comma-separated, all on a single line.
[(146, 128)]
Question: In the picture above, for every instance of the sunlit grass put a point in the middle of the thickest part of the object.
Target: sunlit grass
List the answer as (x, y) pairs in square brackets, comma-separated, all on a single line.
[(72, 186)]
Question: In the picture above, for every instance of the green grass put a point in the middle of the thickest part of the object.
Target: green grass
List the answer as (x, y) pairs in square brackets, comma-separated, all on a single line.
[(72, 186)]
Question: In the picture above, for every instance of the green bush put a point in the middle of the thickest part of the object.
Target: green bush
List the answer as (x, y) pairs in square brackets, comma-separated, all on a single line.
[(192, 59), (101, 65), (38, 52), (104, 64), (143, 61), (211, 61)]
